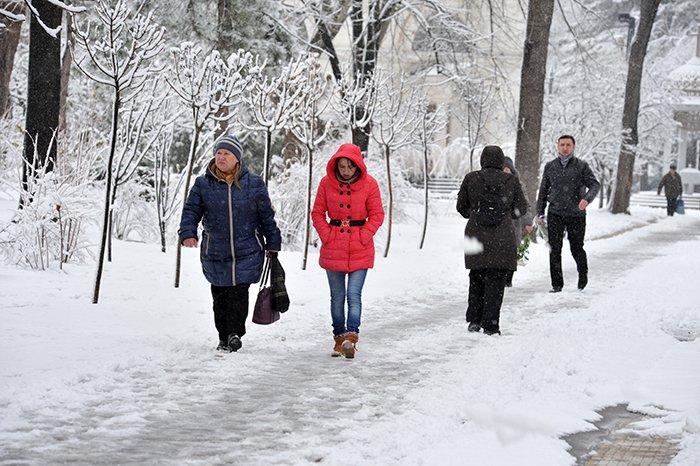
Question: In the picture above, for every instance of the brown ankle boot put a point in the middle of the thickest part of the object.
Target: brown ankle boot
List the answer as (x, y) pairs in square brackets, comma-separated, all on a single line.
[(350, 344), (338, 348)]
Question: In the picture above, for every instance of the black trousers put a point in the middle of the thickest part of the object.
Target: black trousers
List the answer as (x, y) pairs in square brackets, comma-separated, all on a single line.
[(671, 205), (575, 228), (486, 297), (230, 309)]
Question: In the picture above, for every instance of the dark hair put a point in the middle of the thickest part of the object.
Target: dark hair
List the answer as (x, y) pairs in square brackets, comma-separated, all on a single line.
[(352, 164), (567, 136)]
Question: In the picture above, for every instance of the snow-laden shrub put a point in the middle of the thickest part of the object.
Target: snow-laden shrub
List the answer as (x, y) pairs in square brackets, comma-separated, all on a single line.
[(453, 161), (134, 212), (288, 191), (11, 140), (49, 229), (404, 192)]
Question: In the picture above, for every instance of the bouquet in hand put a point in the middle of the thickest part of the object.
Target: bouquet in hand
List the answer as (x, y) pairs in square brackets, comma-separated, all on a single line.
[(524, 250), (541, 230)]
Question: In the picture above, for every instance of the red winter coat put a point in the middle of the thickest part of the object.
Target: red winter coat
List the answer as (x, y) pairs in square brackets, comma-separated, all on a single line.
[(347, 248)]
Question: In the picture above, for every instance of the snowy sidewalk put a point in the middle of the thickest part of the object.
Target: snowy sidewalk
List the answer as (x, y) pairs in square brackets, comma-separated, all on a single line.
[(422, 391)]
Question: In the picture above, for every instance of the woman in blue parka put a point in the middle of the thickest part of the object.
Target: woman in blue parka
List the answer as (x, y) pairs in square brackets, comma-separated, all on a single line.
[(238, 227)]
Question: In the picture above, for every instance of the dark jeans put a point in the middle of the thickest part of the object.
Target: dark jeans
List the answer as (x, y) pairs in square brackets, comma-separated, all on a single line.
[(575, 228), (486, 297), (230, 309), (671, 205)]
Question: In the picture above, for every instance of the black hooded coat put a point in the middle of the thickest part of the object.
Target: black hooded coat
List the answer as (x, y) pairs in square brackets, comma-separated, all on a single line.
[(499, 246)]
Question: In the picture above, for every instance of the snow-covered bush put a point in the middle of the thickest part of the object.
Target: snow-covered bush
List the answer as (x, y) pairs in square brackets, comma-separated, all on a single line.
[(50, 229), (133, 213), (288, 194)]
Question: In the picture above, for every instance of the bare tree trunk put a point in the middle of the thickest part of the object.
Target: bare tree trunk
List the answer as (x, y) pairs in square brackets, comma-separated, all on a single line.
[(266, 161), (110, 232), (188, 180), (425, 188), (387, 156), (9, 39), (65, 76), (43, 91), (223, 24), (309, 187), (291, 145), (326, 38), (162, 236), (625, 164), (532, 78), (108, 192)]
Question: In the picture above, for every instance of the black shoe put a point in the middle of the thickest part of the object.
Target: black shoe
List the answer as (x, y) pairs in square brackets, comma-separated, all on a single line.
[(223, 347), (234, 342), (555, 289), (474, 327), (492, 332), (582, 281)]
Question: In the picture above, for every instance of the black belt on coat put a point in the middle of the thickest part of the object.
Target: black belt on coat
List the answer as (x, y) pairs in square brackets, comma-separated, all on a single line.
[(346, 223)]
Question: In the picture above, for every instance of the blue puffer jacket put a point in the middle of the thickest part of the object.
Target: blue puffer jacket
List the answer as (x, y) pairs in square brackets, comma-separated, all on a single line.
[(229, 259)]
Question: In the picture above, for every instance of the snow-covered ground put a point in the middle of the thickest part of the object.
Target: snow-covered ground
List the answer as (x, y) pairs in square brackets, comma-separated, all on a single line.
[(135, 378)]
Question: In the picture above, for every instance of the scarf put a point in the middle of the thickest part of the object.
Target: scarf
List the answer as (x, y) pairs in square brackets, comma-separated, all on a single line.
[(564, 159)]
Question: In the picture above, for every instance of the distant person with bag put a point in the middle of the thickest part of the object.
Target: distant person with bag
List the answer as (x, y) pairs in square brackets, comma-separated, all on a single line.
[(236, 213), (673, 188), (347, 213), (491, 199), (568, 186)]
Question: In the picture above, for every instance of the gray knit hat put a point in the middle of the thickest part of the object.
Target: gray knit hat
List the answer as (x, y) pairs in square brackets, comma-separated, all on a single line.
[(231, 144)]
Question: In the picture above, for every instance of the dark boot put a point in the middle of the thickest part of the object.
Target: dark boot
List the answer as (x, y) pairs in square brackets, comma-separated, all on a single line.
[(582, 281), (223, 347), (234, 342), (474, 327)]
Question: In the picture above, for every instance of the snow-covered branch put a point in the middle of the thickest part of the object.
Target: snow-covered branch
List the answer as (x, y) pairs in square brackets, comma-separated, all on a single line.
[(273, 100)]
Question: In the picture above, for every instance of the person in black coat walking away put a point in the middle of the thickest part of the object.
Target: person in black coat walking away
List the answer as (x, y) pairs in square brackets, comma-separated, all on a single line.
[(673, 188), (239, 228), (490, 198), (522, 225), (569, 186)]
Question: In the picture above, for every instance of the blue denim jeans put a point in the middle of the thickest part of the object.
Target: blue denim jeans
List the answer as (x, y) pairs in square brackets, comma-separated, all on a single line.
[(353, 293)]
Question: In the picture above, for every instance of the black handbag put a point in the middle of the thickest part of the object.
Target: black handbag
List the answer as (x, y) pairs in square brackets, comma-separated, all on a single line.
[(280, 298), (264, 313)]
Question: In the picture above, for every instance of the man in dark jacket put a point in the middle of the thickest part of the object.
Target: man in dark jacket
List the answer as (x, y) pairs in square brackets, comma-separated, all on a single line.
[(490, 198), (673, 188), (568, 185)]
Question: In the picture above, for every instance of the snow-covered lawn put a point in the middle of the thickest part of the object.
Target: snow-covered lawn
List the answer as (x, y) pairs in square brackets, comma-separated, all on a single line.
[(135, 378)]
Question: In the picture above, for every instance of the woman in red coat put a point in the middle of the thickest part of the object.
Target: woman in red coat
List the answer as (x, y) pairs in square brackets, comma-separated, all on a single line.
[(347, 213)]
